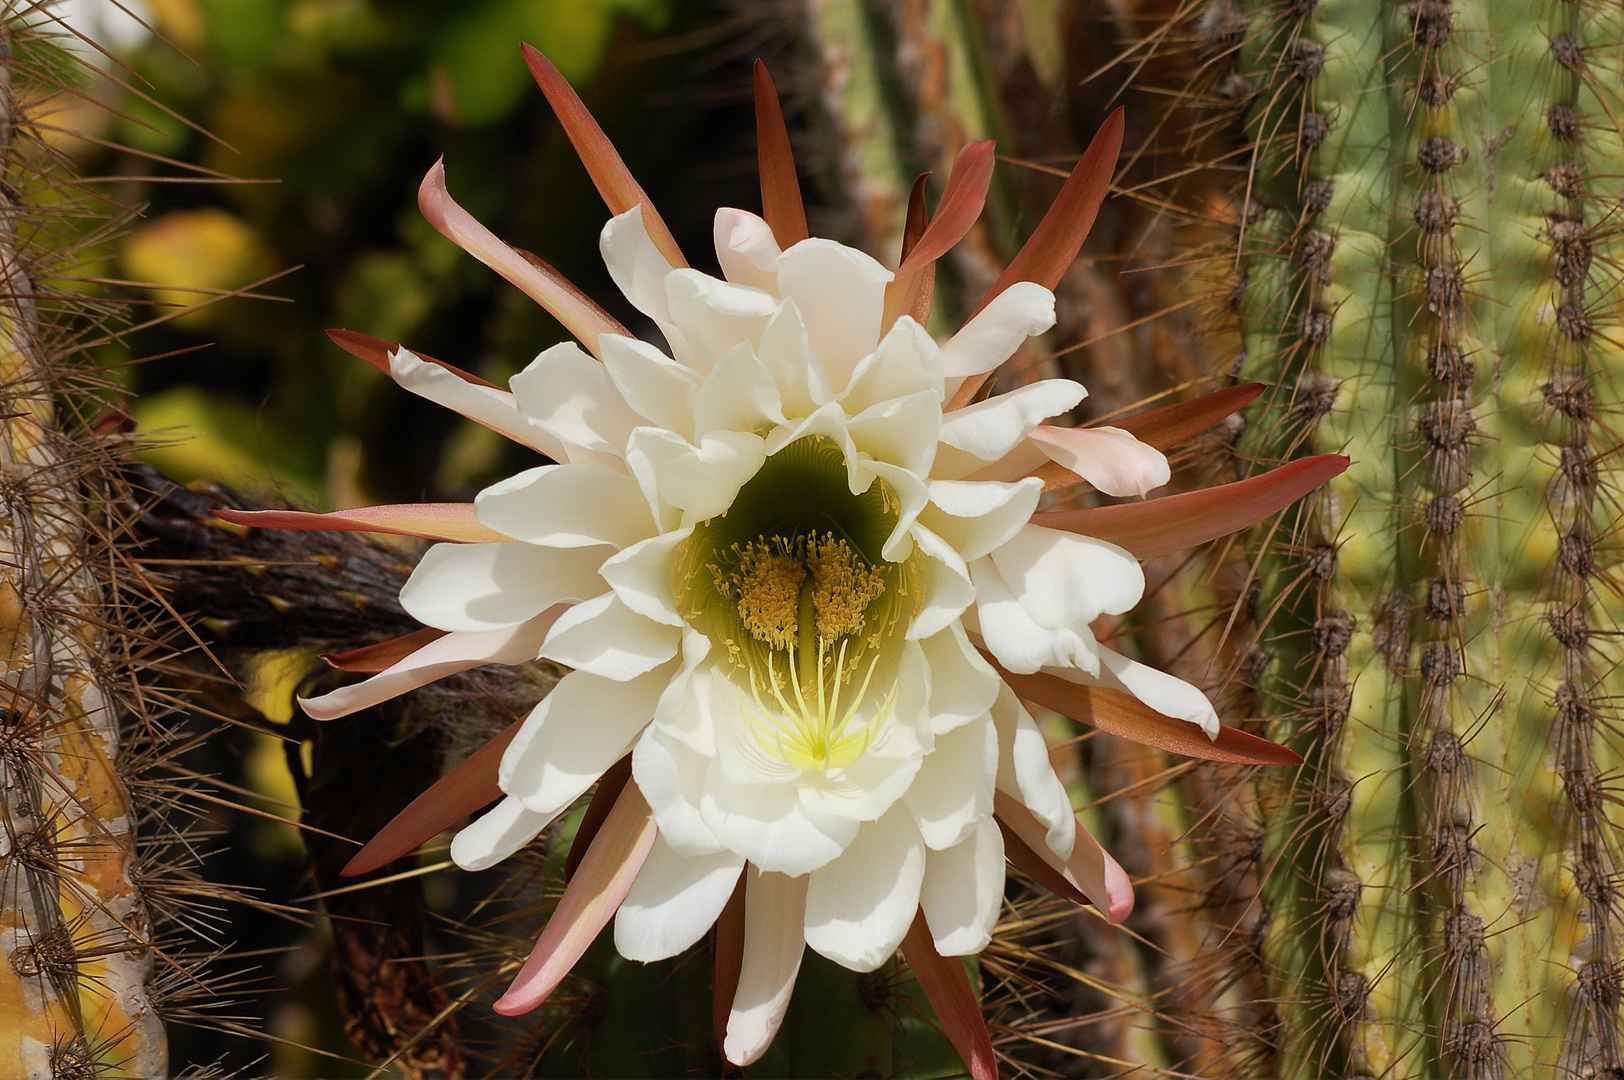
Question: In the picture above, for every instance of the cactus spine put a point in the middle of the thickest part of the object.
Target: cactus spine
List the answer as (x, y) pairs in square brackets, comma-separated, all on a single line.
[(1428, 289), (74, 932)]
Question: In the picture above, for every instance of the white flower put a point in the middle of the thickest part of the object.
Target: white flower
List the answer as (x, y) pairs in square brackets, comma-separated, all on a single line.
[(773, 551), (800, 579)]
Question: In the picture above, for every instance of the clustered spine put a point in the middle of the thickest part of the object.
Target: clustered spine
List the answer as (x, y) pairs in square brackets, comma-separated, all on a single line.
[(76, 938), (1443, 832), (1298, 650), (1578, 597), (1453, 582)]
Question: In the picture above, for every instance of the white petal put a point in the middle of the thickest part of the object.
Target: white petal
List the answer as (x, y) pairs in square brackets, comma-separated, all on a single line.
[(672, 779), (767, 824), (647, 452), (603, 636), (963, 686), (963, 891), (786, 352), (953, 791), (946, 589), (569, 395), (695, 646), (1018, 464), (641, 576), (635, 263), (977, 517), (495, 835), (1037, 594), (830, 422), (582, 727), (492, 586), (986, 431), (439, 658), (912, 497), (1066, 580), (774, 909), (714, 315), (719, 707), (651, 383), (841, 294), (1016, 639), (639, 270), (1023, 310), (738, 395), (1109, 458), (746, 249), (564, 506), (486, 405), (1025, 772), (906, 362), (686, 710), (675, 899), (704, 481), (1167, 694), (870, 786), (859, 907), (901, 431)]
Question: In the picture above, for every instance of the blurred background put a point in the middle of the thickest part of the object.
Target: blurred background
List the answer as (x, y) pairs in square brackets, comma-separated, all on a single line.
[(302, 128)]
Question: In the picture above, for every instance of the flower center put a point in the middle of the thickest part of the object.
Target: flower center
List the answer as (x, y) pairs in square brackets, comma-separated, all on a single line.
[(784, 584), (790, 584)]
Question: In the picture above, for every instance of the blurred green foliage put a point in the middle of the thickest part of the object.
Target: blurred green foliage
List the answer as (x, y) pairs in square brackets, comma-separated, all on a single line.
[(329, 112)]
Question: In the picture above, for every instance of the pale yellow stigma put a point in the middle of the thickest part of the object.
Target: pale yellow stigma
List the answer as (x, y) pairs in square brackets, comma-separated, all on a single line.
[(814, 732)]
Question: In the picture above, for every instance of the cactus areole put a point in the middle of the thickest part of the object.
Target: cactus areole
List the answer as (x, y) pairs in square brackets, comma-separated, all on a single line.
[(802, 582)]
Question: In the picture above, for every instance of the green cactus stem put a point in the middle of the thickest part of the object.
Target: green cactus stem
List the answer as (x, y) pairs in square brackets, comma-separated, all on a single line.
[(1429, 282)]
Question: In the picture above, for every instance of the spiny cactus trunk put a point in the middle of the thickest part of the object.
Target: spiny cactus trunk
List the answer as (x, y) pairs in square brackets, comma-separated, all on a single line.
[(1431, 263), (74, 935)]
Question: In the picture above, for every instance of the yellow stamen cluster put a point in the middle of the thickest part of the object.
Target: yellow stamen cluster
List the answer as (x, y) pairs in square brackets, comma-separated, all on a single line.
[(842, 586), (807, 599), (766, 584), (790, 586), (768, 580)]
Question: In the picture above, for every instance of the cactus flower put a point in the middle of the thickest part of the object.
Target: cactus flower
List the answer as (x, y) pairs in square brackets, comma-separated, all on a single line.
[(801, 581)]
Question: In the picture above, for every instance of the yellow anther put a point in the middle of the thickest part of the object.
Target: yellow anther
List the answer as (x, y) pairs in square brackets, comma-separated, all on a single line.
[(843, 586), (766, 584), (768, 580)]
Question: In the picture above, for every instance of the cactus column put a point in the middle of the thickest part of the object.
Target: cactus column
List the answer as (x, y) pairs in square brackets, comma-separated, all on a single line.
[(75, 954), (1429, 289)]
